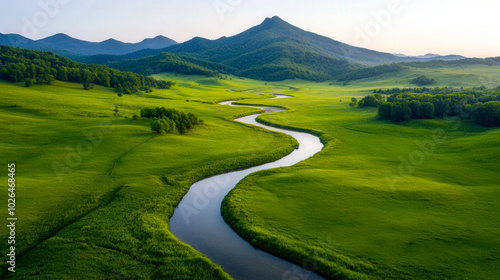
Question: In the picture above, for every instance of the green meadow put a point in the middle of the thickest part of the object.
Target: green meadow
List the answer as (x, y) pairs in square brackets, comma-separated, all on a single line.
[(417, 200), (95, 188), (75, 219)]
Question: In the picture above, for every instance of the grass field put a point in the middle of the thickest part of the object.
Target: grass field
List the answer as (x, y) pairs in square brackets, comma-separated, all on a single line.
[(337, 210), (376, 204), (79, 222)]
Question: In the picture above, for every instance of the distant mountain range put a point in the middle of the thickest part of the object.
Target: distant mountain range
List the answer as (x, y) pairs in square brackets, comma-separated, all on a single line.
[(273, 50), (430, 56), (65, 45)]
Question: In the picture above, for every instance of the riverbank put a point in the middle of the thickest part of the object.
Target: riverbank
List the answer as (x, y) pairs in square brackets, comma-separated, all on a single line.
[(197, 220)]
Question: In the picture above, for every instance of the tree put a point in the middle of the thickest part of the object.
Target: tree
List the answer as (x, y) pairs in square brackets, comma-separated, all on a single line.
[(74, 75), (400, 112), (45, 79), (62, 73), (170, 120), (423, 81), (87, 85), (489, 113), (28, 82), (428, 110), (33, 71), (182, 128), (384, 110), (162, 126), (88, 79), (441, 107), (354, 102), (369, 101), (416, 109), (156, 126)]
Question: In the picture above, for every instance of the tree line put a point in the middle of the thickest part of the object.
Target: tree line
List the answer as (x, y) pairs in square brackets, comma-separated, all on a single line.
[(370, 72), (170, 120), (491, 61), (433, 90), (30, 66), (480, 104), (167, 62)]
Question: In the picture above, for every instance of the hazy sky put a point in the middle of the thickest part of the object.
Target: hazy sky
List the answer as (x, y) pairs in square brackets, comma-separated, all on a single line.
[(412, 27)]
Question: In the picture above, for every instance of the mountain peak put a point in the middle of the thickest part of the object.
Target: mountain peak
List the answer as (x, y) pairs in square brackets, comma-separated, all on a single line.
[(276, 20), (111, 40), (59, 36), (160, 37), (276, 25)]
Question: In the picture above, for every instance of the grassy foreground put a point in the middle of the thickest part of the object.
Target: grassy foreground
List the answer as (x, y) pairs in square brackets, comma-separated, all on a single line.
[(418, 200), (75, 220)]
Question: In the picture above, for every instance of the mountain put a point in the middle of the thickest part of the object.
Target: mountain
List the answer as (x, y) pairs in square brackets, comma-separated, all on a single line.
[(157, 42), (68, 46), (275, 31), (274, 50), (169, 62), (431, 56), (13, 40)]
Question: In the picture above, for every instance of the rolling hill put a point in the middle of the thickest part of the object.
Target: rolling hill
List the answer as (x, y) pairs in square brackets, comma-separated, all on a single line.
[(274, 50), (275, 31)]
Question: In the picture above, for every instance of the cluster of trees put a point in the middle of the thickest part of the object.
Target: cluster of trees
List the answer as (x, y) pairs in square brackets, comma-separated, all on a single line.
[(284, 60), (480, 92), (369, 101), (170, 120), (423, 81), (167, 62), (370, 72), (38, 67), (435, 90), (405, 111), (488, 113), (479, 103)]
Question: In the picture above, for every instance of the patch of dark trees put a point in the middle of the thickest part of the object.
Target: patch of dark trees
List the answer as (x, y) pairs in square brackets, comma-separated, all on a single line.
[(164, 121), (479, 104), (37, 67)]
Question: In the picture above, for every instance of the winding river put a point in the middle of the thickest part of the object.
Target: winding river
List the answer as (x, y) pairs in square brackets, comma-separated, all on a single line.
[(197, 220)]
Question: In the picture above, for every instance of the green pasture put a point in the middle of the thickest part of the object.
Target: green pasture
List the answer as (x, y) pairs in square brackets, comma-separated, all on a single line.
[(417, 200), (75, 220), (356, 210)]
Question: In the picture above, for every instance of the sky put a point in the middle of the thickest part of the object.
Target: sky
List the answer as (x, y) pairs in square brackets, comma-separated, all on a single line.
[(411, 27)]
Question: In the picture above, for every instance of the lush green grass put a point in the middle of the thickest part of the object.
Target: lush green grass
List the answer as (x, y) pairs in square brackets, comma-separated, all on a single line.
[(337, 209), (345, 212), (87, 224)]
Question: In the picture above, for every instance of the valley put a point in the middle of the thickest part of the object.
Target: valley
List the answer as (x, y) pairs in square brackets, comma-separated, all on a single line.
[(348, 179), (108, 150)]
